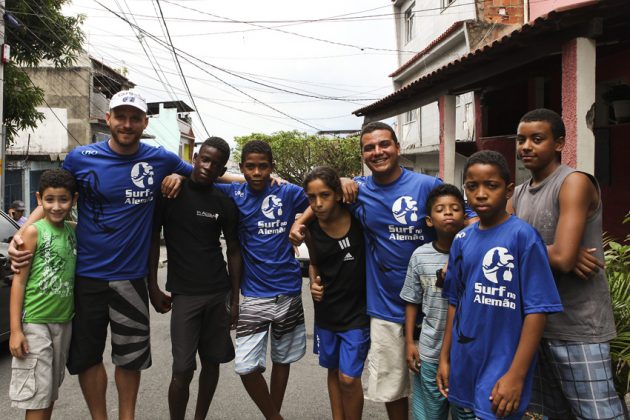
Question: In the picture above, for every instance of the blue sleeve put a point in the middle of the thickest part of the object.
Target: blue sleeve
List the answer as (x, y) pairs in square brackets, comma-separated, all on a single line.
[(178, 165), (453, 273), (354, 207), (68, 161), (538, 287), (301, 201), (469, 212)]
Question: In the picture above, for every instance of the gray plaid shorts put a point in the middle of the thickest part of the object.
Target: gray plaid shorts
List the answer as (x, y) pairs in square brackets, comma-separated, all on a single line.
[(574, 380)]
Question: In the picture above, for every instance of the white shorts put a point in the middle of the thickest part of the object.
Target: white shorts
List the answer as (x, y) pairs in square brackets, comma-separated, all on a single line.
[(35, 379), (388, 376), (285, 316)]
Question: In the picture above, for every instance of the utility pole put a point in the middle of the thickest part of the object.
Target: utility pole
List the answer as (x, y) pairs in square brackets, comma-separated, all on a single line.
[(3, 135)]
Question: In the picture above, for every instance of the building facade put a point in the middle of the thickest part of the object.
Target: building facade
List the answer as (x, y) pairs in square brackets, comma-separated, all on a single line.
[(573, 59), (76, 100), (429, 35)]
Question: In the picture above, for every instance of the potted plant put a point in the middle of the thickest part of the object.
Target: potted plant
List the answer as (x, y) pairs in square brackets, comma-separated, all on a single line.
[(619, 98)]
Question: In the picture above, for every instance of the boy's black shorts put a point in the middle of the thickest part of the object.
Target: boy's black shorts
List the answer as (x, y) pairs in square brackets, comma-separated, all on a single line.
[(200, 323)]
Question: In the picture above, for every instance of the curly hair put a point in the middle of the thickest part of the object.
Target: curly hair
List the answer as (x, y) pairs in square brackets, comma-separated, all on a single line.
[(57, 178)]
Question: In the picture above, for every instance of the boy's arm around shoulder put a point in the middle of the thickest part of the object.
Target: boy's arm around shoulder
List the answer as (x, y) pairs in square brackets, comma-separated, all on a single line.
[(17, 342), (577, 198)]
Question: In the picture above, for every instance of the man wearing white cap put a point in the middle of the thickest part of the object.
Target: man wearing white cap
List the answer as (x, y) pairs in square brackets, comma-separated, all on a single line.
[(118, 180)]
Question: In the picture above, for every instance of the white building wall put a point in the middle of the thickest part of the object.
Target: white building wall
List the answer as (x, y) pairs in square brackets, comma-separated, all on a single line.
[(49, 137), (430, 22), (421, 134), (465, 117), (451, 48), (430, 125)]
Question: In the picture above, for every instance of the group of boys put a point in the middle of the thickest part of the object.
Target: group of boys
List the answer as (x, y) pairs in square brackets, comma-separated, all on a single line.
[(574, 375), (119, 181)]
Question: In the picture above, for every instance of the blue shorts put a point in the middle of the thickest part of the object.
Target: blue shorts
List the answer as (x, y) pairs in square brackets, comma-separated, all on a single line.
[(343, 350)]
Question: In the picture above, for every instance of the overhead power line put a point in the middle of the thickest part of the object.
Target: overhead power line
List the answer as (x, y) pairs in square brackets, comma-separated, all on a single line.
[(185, 55), (179, 66), (113, 87), (149, 54), (231, 72)]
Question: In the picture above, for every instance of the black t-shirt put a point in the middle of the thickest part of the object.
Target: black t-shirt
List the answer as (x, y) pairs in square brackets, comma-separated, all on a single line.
[(341, 264), (193, 223)]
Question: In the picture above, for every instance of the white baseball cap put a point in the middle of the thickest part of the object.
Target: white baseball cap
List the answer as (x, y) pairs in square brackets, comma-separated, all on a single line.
[(127, 97)]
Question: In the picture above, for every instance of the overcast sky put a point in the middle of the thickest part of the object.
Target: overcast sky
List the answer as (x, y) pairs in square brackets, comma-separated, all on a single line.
[(215, 47)]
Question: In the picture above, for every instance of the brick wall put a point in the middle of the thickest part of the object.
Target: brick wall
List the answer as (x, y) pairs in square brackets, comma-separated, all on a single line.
[(506, 12)]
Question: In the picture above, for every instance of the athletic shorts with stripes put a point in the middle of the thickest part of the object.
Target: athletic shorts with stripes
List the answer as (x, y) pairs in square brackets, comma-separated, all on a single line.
[(285, 316), (123, 304), (574, 380)]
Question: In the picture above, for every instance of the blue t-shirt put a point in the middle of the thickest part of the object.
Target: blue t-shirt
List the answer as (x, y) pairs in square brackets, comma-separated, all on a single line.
[(495, 278), (265, 218), (393, 219), (116, 202)]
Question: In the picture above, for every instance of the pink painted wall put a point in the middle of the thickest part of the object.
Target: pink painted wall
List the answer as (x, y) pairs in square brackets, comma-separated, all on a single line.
[(441, 112), (569, 102), (538, 8)]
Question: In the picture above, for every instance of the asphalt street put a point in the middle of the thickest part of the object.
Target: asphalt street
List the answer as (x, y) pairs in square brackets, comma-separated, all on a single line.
[(306, 396)]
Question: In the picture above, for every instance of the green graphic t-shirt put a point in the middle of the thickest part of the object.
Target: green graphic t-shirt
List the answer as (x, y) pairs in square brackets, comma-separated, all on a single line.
[(49, 294)]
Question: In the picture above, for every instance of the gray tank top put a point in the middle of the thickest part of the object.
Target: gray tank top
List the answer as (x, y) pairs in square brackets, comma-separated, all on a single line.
[(587, 315)]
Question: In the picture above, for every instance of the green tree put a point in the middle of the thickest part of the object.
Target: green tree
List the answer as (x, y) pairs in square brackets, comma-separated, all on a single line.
[(38, 32), (296, 153)]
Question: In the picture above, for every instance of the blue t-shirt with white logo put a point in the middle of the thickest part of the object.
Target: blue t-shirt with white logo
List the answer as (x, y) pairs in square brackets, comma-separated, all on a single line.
[(495, 278), (393, 219), (265, 218), (116, 202)]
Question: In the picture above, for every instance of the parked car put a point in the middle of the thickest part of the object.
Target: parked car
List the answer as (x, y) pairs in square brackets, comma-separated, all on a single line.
[(302, 256), (8, 227)]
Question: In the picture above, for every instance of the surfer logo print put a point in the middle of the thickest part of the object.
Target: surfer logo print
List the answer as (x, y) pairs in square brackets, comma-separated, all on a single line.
[(142, 178), (271, 208), (405, 212), (497, 267)]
